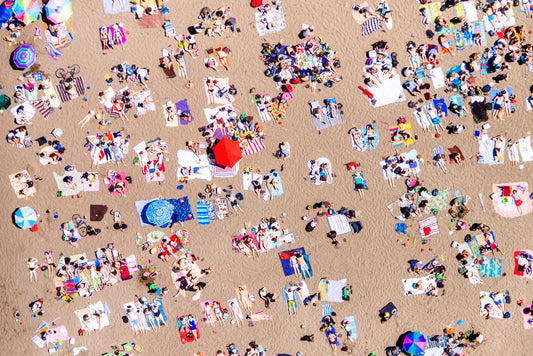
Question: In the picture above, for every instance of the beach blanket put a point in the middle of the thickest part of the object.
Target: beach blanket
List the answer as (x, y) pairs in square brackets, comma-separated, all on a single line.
[(169, 71), (365, 137), (202, 215), (115, 34), (486, 149), (141, 98), (500, 21), (188, 328), (28, 112), (248, 177), (220, 112), (72, 188), (370, 26), (441, 107), (428, 226), (448, 38), (438, 202), (151, 21), (405, 139), (209, 316), (479, 27), (491, 267), (252, 146), (44, 107), (113, 7), (90, 181), (508, 206), (525, 149), (331, 291), (317, 172), (170, 121), (114, 178), (52, 96), (97, 212), (339, 223), (333, 111), (21, 189), (220, 94), (319, 117), (57, 335), (456, 99), (200, 168), (61, 39), (270, 21), (183, 107), (284, 258), (350, 328), (411, 155), (78, 84), (495, 92), (469, 9), (486, 298), (275, 192), (251, 235), (390, 91), (527, 272), (91, 310), (437, 77), (410, 288), (275, 239), (433, 10), (526, 319)]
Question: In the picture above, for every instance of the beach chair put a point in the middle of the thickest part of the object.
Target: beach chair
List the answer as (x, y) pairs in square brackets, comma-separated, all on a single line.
[(169, 29)]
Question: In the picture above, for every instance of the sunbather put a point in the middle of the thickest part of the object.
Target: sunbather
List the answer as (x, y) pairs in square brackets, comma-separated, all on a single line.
[(32, 264), (237, 314), (303, 266), (244, 298), (441, 162), (293, 261), (422, 119), (272, 184), (291, 302)]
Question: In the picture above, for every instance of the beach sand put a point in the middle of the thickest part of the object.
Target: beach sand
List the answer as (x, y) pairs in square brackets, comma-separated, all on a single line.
[(373, 261)]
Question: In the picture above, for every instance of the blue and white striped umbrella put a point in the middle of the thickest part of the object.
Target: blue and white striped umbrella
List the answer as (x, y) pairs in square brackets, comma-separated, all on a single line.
[(25, 217)]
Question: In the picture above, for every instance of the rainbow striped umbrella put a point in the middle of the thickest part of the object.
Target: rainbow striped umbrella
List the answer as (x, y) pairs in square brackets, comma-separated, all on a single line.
[(414, 343), (27, 11), (58, 10), (24, 56)]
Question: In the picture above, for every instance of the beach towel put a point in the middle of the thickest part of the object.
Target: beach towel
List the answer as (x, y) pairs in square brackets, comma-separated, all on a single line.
[(275, 192), (270, 21), (456, 99), (248, 177), (250, 147), (327, 309), (506, 205), (72, 188), (406, 138), (182, 209), (388, 92), (500, 21), (200, 167), (93, 323), (495, 92), (319, 118), (21, 189), (410, 288), (527, 272), (169, 71), (470, 11), (114, 178), (433, 9), (428, 226), (331, 291), (438, 202), (220, 93), (369, 140), (442, 109), (97, 212), (339, 223), (57, 335), (170, 121), (457, 150), (448, 35), (151, 21), (140, 98), (289, 295), (437, 77), (201, 213), (276, 239), (334, 113), (52, 96), (525, 149), (78, 84), (479, 27), (117, 8), (491, 267), (284, 258), (318, 173), (188, 328), (370, 26), (526, 319), (183, 107), (220, 112), (28, 112), (208, 311), (252, 236), (486, 149), (350, 328), (486, 298), (44, 107), (90, 181)]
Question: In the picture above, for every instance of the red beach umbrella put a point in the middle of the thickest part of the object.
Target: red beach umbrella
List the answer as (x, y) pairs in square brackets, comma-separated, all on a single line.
[(227, 152)]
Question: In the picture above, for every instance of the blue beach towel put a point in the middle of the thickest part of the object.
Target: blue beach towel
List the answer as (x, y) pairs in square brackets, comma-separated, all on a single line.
[(202, 215), (108, 7), (275, 192)]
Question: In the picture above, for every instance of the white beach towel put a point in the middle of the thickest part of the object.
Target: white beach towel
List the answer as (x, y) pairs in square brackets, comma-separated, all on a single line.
[(389, 92), (470, 11), (524, 146), (339, 223), (410, 289), (90, 310), (223, 114), (437, 77), (486, 148), (189, 159), (485, 299)]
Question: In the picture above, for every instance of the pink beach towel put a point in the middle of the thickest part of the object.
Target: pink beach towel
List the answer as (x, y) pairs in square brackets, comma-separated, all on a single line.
[(118, 177), (526, 319), (506, 206)]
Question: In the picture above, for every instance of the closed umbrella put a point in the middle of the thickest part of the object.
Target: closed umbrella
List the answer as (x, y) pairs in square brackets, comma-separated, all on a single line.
[(159, 212), (27, 11), (6, 11), (24, 56), (25, 217), (414, 343), (58, 10), (5, 101), (227, 152)]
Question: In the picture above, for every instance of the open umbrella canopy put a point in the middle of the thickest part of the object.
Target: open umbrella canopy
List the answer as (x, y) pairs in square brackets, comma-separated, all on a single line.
[(58, 10), (5, 101), (414, 343), (227, 152), (6, 11), (26, 11), (25, 217), (24, 56), (159, 212)]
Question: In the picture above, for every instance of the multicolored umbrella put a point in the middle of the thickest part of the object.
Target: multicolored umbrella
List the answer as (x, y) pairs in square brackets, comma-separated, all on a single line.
[(25, 217), (159, 212), (58, 10), (414, 343), (27, 11), (227, 152), (24, 56), (6, 10), (5, 101)]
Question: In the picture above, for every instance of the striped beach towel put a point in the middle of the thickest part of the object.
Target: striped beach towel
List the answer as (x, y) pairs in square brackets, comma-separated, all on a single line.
[(80, 89), (429, 226), (371, 25), (492, 267), (253, 146), (326, 310), (201, 213), (43, 105)]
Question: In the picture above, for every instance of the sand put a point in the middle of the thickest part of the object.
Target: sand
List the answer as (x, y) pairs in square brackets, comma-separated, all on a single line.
[(372, 261)]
